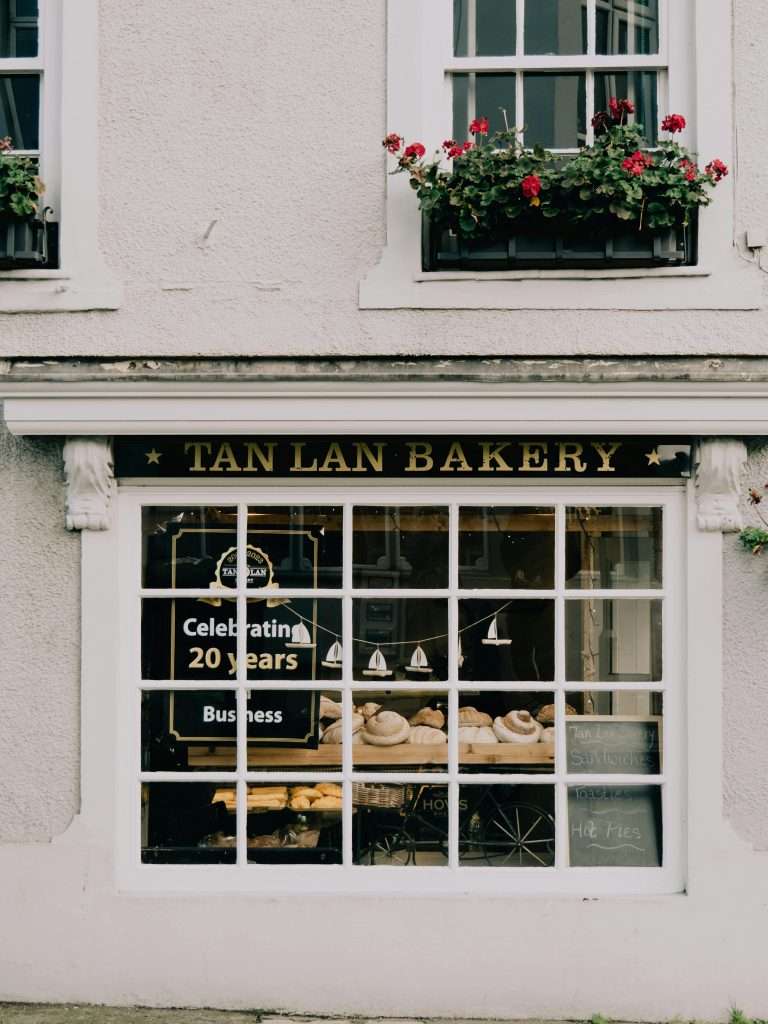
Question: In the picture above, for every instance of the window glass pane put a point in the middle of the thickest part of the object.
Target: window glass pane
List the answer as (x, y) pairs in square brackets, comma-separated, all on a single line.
[(20, 110), (614, 733), (294, 546), (400, 547), (613, 548), (400, 731), (294, 730), (507, 548), (609, 641), (641, 87), (615, 826), (555, 26), (18, 28), (294, 639), (507, 641), (189, 639), (493, 31), (492, 94), (186, 823), (506, 826), (282, 829), (400, 826), (506, 732), (627, 26), (555, 110), (189, 547), (399, 639)]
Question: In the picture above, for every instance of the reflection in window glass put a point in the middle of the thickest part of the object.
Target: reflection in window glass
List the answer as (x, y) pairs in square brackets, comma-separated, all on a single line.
[(555, 27), (641, 87), (493, 32), (401, 825), (184, 638), (295, 639), (295, 824), (613, 548), (614, 733), (554, 110), (400, 639), (186, 823), (507, 642), (615, 826), (492, 94), (613, 641), (507, 732), (507, 826), (18, 28), (296, 546), (627, 26), (507, 548), (189, 547), (20, 110), (400, 731), (400, 547)]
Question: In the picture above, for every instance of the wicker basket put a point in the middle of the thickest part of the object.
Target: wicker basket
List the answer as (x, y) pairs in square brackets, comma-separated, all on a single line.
[(376, 795)]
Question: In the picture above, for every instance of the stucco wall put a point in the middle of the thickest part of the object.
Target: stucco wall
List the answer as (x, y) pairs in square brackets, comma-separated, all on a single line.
[(203, 118), (40, 646), (745, 638)]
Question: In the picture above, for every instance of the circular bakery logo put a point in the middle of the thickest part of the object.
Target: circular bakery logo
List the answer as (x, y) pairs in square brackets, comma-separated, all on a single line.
[(260, 570)]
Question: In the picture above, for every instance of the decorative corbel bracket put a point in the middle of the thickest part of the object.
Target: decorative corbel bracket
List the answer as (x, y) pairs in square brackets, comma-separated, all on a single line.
[(718, 484), (88, 471)]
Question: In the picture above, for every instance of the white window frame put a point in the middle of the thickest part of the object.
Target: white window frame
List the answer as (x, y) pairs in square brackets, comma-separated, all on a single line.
[(133, 875), (695, 47), (69, 95)]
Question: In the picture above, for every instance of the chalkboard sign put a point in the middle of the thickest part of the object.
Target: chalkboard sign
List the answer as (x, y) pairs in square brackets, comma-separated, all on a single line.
[(615, 826), (612, 746)]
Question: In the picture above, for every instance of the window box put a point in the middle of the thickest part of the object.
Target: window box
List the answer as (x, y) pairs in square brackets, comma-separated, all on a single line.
[(27, 243), (559, 246)]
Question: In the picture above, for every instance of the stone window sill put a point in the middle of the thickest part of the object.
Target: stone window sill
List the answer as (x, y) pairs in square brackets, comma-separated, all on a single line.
[(57, 291)]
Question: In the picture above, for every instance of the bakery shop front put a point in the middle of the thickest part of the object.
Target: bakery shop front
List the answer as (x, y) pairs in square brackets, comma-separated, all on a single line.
[(452, 655)]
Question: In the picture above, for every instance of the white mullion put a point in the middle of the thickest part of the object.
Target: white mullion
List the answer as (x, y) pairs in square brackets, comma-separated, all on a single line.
[(347, 645), (453, 695), (306, 775), (555, 63), (520, 27), (590, 100), (601, 779), (264, 593), (403, 778), (242, 680), (520, 106), (471, 28), (561, 790), (500, 778), (591, 27), (219, 778)]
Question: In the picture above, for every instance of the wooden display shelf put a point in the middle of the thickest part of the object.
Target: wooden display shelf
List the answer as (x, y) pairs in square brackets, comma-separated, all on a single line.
[(404, 755)]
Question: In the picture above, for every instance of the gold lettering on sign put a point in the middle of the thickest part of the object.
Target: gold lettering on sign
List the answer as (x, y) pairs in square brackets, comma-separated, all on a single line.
[(535, 458), (606, 453), (492, 454), (225, 457), (197, 449), (455, 454), (265, 455), (570, 451), (334, 461), (298, 466), (376, 460), (424, 456)]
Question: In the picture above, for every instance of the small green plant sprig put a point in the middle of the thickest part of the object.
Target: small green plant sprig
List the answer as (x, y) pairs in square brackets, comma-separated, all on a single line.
[(20, 186), (755, 538), (496, 182)]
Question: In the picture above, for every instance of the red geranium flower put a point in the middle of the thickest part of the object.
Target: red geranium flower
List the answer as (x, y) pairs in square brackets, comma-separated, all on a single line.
[(449, 144), (673, 123), (479, 126), (392, 143), (716, 170), (455, 151), (637, 163), (531, 186), (467, 146), (618, 108), (414, 152), (689, 169)]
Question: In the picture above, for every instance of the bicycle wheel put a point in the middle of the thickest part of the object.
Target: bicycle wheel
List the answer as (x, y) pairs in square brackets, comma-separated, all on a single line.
[(517, 834)]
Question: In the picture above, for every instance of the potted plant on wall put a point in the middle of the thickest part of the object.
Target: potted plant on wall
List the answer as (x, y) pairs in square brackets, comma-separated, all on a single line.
[(23, 228), (499, 204)]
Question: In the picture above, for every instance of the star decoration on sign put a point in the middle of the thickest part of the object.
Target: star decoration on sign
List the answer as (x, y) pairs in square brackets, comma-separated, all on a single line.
[(153, 457), (654, 459)]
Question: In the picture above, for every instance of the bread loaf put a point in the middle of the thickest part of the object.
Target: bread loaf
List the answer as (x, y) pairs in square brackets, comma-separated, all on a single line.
[(471, 716), (517, 727), (386, 729), (477, 734), (429, 716), (422, 734)]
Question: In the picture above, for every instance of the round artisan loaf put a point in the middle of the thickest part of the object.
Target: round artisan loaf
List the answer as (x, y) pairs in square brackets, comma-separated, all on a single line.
[(367, 710), (471, 716), (426, 734), (428, 716), (333, 734), (517, 727), (477, 734), (548, 734), (386, 729), (546, 715), (329, 708)]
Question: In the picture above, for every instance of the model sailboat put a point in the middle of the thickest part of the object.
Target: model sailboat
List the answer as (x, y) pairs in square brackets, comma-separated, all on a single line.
[(492, 638), (300, 637), (419, 662), (333, 658), (377, 666)]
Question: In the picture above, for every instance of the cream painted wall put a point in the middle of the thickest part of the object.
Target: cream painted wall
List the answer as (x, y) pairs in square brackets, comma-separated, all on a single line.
[(205, 117)]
